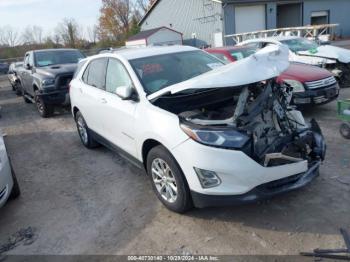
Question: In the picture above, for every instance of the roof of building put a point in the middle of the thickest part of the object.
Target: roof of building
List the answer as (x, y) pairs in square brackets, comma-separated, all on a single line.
[(149, 11), (147, 33)]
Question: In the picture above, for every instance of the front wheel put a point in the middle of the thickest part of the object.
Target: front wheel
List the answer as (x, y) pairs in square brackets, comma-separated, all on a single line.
[(44, 109), (168, 180)]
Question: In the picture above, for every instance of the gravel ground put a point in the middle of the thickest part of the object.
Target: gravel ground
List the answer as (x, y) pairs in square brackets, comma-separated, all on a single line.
[(76, 201)]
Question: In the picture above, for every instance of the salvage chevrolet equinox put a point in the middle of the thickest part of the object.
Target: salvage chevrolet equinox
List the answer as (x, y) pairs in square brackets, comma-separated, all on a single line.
[(207, 134)]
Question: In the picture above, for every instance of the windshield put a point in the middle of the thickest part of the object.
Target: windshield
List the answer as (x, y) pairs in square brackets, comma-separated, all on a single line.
[(243, 53), (158, 72), (300, 44), (46, 58)]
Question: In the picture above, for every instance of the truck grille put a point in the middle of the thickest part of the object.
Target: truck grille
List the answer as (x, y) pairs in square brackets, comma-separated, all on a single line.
[(63, 81), (321, 83)]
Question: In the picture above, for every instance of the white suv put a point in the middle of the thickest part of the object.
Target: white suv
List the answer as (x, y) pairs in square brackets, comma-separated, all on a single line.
[(207, 134)]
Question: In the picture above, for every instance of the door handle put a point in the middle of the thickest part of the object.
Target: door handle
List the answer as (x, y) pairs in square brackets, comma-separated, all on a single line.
[(103, 100)]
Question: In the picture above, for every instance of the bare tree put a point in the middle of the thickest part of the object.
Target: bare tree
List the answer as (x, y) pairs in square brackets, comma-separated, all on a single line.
[(92, 34), (8, 36), (33, 35), (69, 32)]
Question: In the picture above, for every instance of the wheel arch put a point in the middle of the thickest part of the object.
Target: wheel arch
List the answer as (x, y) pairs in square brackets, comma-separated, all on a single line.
[(146, 148), (75, 111)]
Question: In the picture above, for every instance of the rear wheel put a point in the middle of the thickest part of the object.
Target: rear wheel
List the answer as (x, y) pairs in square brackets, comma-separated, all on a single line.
[(345, 130), (17, 88), (168, 180), (84, 132), (44, 109)]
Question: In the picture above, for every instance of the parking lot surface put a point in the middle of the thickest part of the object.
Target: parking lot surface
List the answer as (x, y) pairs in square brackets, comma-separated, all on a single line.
[(78, 201)]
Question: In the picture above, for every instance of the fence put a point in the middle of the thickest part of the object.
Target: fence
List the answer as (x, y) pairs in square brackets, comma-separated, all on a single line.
[(316, 32)]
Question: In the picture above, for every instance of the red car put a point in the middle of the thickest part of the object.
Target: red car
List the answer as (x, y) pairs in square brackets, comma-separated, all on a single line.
[(311, 85)]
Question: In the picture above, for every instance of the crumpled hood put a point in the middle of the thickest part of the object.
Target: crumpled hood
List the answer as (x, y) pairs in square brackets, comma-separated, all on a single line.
[(54, 70), (329, 52), (267, 63)]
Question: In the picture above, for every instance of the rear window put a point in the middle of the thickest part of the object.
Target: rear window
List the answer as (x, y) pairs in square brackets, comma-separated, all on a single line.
[(158, 72)]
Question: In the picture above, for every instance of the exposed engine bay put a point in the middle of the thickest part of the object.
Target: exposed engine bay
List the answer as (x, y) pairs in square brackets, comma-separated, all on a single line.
[(274, 132)]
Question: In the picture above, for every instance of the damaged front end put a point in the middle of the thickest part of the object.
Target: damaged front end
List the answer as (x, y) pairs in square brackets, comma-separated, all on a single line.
[(260, 123)]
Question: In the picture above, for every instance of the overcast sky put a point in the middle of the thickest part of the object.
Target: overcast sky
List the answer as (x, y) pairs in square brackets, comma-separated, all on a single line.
[(47, 13)]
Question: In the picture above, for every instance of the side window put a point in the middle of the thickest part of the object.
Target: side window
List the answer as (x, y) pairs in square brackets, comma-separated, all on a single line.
[(222, 57), (26, 60), (86, 75), (96, 73), (116, 76), (79, 67)]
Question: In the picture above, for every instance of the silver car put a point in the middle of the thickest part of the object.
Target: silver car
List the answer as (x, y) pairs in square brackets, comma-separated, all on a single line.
[(9, 188)]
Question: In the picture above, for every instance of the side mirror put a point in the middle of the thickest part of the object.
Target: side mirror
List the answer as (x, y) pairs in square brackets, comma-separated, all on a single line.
[(28, 66), (125, 92)]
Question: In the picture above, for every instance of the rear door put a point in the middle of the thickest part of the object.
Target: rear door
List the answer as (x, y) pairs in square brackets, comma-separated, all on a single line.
[(92, 93)]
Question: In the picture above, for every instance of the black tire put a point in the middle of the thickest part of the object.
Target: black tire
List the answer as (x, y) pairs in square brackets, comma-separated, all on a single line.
[(345, 130), (44, 109), (183, 200), (26, 100), (17, 88), (88, 141), (16, 192)]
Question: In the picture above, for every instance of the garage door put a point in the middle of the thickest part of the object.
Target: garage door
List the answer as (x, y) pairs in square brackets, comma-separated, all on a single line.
[(250, 18)]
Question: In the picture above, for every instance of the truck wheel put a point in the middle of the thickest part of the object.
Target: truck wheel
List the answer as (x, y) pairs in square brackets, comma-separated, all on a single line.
[(17, 88), (345, 130), (168, 180), (44, 109), (16, 192), (84, 132)]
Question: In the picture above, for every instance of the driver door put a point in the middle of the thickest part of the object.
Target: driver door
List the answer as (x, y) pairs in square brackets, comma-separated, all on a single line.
[(119, 115)]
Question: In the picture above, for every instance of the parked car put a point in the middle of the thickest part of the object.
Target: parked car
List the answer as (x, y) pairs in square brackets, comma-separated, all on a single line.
[(45, 77), (303, 50), (207, 134), (311, 85), (9, 188), (13, 77), (4, 68)]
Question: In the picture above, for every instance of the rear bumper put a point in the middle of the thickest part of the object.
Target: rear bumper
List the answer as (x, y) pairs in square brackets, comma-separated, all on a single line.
[(60, 97), (261, 192), (316, 97)]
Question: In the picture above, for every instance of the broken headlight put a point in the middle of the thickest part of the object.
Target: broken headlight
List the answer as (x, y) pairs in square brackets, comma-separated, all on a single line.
[(217, 137), (297, 86)]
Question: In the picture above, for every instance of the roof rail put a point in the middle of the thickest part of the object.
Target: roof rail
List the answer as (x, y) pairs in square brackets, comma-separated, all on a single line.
[(310, 31)]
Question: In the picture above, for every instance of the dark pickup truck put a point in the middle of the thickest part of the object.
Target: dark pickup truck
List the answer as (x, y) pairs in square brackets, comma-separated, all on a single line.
[(45, 77)]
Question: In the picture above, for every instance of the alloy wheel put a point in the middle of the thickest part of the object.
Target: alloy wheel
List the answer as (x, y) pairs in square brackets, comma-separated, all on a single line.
[(164, 180), (82, 130)]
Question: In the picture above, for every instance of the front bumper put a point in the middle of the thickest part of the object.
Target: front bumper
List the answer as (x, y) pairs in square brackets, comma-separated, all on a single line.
[(261, 192), (316, 97), (59, 97)]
